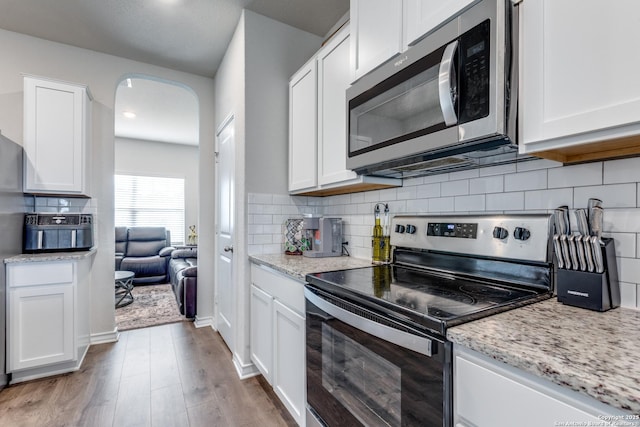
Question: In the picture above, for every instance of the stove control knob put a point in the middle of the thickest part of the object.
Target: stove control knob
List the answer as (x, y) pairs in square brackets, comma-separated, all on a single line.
[(399, 228), (521, 233), (500, 233), (411, 229)]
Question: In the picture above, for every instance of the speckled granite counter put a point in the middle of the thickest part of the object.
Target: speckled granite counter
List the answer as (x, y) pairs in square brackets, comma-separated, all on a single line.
[(298, 266), (52, 256), (597, 354)]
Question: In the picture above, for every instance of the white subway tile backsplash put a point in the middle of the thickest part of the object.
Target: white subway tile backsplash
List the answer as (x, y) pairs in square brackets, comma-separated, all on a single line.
[(612, 196), (629, 270), (455, 188), (406, 193), (418, 206), (622, 170), (498, 170), (536, 186), (428, 190), (622, 220), (628, 295), (469, 203), (471, 173), (491, 184), (532, 180), (505, 201), (548, 199), (625, 244), (441, 204), (537, 164), (435, 178), (576, 175)]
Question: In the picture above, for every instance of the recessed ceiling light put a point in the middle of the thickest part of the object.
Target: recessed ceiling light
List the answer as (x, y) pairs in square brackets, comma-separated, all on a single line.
[(129, 114), (129, 85)]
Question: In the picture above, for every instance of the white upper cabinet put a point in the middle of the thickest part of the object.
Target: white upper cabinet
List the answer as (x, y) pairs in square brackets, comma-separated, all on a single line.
[(318, 125), (333, 81), (303, 151), (423, 16), (579, 93), (56, 137), (376, 34)]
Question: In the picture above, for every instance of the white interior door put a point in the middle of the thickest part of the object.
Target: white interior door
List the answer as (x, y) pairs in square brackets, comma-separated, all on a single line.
[(225, 303)]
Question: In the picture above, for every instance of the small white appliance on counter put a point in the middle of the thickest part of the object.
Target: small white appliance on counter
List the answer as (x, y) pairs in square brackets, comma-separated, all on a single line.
[(323, 237)]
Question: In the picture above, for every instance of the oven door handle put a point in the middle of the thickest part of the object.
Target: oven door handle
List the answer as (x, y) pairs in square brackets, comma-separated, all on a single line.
[(400, 338)]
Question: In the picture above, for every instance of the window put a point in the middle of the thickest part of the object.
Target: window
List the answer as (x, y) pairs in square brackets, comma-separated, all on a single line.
[(149, 201)]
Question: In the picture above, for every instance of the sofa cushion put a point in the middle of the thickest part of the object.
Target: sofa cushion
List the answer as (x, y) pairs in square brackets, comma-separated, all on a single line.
[(145, 266), (145, 241), (121, 240), (185, 253)]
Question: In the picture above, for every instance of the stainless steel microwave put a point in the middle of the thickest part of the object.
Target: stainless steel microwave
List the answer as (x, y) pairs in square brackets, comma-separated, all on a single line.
[(448, 103)]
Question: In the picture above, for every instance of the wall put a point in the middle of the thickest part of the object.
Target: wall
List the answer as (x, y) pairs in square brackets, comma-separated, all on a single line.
[(102, 73), (536, 186), (152, 158), (252, 84)]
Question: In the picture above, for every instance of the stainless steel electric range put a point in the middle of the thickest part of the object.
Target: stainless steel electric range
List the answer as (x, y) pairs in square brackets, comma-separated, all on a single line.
[(377, 353)]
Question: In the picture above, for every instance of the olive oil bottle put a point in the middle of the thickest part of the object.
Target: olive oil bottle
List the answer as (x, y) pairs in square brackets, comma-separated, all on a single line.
[(380, 245)]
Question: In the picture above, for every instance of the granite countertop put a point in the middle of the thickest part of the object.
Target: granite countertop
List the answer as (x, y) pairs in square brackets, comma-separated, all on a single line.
[(298, 266), (590, 352), (50, 256)]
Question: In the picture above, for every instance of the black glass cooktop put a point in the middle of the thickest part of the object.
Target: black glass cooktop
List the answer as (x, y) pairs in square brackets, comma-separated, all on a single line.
[(432, 300)]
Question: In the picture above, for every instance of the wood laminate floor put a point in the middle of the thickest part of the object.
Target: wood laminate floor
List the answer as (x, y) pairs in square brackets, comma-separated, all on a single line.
[(171, 375)]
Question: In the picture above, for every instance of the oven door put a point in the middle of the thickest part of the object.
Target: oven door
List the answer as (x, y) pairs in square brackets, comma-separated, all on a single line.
[(371, 370)]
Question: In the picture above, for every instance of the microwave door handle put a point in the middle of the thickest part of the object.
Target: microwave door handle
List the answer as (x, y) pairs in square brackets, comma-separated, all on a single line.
[(445, 84)]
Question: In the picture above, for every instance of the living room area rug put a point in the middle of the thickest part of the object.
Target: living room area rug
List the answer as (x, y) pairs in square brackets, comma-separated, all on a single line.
[(152, 305)]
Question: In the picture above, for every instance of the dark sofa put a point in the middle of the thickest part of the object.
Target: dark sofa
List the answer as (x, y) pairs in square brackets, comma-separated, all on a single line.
[(145, 251), (183, 275)]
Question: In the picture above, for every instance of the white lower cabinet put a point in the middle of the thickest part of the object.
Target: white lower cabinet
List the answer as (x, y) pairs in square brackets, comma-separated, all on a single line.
[(488, 393), (289, 358), (278, 336), (47, 317)]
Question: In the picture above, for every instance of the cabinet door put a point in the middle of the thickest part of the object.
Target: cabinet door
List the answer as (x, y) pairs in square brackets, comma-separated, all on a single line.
[(289, 351), (55, 137), (303, 160), (333, 81), (488, 393), (262, 331), (376, 33), (577, 82), (423, 16), (41, 326)]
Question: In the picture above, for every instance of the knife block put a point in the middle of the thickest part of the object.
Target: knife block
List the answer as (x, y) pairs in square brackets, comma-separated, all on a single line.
[(593, 291)]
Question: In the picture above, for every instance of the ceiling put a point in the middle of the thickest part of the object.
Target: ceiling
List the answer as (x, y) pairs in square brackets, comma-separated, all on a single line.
[(185, 35)]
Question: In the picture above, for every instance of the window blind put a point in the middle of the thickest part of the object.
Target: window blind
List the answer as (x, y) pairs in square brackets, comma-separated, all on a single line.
[(149, 201)]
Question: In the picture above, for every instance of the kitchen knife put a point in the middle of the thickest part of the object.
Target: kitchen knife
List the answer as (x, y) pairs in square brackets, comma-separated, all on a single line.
[(558, 216), (582, 221), (597, 254), (588, 253), (580, 251), (575, 264), (596, 222), (592, 203), (565, 251), (558, 250), (565, 214)]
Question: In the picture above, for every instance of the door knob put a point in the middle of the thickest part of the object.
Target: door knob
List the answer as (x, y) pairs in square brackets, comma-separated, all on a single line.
[(228, 248)]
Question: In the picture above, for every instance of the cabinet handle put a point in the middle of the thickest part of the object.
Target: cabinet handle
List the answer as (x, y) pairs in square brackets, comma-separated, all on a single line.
[(228, 249), (446, 89)]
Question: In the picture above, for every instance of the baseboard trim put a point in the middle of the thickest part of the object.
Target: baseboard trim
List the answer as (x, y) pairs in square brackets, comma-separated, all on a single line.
[(105, 337), (245, 370), (201, 322)]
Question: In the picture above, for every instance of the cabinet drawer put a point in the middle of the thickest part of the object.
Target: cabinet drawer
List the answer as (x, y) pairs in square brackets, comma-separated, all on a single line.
[(39, 273), (290, 292)]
